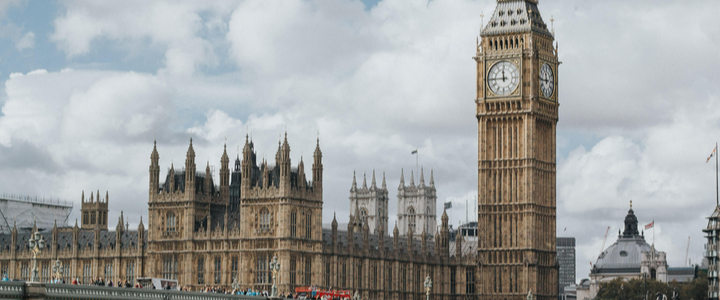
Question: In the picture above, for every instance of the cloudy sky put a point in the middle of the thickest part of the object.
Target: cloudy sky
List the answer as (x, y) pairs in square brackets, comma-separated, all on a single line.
[(90, 84)]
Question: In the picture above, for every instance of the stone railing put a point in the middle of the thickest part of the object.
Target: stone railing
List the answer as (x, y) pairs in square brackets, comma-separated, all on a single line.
[(23, 290)]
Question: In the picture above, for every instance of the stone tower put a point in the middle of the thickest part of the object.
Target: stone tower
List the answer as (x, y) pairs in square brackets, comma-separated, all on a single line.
[(94, 211), (416, 205), (370, 204), (517, 113)]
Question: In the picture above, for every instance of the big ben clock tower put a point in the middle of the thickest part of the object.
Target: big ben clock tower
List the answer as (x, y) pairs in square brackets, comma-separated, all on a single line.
[(517, 113)]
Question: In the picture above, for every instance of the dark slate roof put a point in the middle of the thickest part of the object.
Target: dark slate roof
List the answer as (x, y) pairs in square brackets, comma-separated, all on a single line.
[(179, 180), (373, 241), (515, 17)]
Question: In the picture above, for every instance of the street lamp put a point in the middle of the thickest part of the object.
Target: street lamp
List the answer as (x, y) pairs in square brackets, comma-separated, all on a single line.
[(274, 267), (37, 244), (58, 271), (428, 286), (235, 286)]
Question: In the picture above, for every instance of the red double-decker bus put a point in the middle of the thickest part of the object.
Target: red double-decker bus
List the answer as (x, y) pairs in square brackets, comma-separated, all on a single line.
[(307, 293)]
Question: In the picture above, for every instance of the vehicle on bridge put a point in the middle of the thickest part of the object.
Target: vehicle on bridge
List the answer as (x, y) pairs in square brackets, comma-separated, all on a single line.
[(158, 283), (307, 293)]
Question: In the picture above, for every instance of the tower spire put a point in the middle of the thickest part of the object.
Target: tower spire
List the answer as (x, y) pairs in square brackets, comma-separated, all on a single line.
[(384, 186), (372, 184)]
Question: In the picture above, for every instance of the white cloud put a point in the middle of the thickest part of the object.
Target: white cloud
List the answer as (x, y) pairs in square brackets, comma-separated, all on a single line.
[(26, 42), (376, 84)]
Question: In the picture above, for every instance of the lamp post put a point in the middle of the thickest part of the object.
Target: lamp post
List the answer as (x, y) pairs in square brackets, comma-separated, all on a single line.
[(37, 244), (235, 286), (274, 268), (58, 271), (428, 286)]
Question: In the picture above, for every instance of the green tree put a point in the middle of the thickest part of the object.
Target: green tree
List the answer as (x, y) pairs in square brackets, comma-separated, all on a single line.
[(620, 289)]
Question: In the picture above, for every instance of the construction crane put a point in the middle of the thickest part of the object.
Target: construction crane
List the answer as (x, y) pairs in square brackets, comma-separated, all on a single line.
[(686, 251), (604, 240)]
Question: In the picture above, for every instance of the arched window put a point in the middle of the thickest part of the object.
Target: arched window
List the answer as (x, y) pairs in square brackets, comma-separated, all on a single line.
[(363, 216), (308, 225), (170, 222), (411, 218), (652, 273), (264, 218), (293, 223)]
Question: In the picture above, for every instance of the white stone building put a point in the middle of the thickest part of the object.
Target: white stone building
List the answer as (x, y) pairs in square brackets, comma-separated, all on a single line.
[(417, 205), (371, 204)]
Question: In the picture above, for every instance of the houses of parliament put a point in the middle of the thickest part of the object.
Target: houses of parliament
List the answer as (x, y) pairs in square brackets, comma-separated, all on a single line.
[(203, 232)]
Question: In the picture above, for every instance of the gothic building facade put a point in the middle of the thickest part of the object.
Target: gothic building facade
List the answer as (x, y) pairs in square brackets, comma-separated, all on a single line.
[(203, 233)]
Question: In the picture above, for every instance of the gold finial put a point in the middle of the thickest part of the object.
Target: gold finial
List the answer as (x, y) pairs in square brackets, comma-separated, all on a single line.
[(552, 24), (482, 21), (630, 204)]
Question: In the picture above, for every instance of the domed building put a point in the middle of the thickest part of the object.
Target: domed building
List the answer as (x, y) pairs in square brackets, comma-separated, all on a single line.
[(629, 257)]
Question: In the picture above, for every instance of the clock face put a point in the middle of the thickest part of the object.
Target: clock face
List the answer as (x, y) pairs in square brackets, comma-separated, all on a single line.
[(503, 78), (547, 80)]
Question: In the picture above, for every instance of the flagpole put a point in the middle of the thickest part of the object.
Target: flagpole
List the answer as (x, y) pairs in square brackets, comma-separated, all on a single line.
[(717, 195)]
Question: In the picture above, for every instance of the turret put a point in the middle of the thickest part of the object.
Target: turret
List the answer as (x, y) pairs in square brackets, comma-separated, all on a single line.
[(432, 181), (224, 175), (366, 237), (444, 247), (301, 184), (396, 236), (458, 243), (317, 169), (384, 185), (154, 174), (402, 179), (364, 182), (284, 163), (422, 178), (351, 235), (141, 234), (190, 173), (247, 164), (334, 233), (412, 179), (373, 186), (208, 180), (353, 188)]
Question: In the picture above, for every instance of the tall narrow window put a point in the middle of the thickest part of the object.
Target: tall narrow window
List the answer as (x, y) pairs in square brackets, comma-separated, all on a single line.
[(170, 222), (308, 225), (264, 218), (470, 281), (130, 272), (108, 271), (45, 272), (411, 219), (293, 270), (327, 273), (201, 270), (24, 272), (87, 272), (308, 271), (453, 280), (218, 265), (234, 269), (343, 275), (293, 223), (262, 269), (170, 265), (67, 274)]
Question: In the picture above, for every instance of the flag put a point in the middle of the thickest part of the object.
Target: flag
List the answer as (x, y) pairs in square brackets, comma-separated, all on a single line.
[(413, 152), (711, 154), (651, 225), (448, 205)]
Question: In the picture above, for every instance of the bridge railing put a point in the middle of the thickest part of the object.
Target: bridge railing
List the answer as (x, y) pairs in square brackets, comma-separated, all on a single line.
[(23, 290)]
